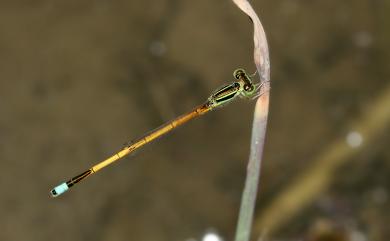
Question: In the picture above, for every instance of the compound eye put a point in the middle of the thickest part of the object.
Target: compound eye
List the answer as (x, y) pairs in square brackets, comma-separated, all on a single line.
[(238, 73), (248, 87)]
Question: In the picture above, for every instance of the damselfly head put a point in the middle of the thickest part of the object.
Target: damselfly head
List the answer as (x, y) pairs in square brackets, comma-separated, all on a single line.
[(248, 88)]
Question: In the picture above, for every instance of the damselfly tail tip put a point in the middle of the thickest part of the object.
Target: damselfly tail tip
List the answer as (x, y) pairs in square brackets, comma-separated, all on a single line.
[(58, 190)]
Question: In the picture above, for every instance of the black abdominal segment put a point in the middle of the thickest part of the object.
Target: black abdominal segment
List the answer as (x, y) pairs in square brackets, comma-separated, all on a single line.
[(78, 178)]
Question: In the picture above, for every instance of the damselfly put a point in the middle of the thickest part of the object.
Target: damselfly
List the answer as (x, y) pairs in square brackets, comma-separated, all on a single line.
[(242, 87)]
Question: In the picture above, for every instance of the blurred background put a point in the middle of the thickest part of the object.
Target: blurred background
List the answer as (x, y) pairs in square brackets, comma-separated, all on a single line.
[(80, 78)]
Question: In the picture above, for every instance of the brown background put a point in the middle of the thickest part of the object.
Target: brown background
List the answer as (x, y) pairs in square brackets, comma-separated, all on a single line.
[(80, 78)]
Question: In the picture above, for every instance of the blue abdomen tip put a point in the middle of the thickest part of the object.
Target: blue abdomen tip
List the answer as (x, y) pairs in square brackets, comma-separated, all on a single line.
[(58, 190)]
